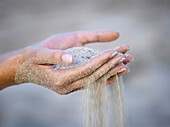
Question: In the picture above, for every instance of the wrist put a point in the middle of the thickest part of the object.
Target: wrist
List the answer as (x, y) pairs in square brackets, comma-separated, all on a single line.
[(8, 69)]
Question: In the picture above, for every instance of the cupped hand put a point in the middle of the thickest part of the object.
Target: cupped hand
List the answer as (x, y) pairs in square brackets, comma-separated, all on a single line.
[(39, 60), (38, 68)]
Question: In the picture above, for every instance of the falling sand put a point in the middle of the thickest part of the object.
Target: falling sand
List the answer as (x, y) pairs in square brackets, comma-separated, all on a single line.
[(103, 106)]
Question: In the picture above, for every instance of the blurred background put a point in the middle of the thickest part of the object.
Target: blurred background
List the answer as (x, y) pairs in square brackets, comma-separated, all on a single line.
[(144, 24)]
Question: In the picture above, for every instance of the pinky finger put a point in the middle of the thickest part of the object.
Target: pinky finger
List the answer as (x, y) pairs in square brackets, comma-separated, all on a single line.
[(121, 70), (124, 72)]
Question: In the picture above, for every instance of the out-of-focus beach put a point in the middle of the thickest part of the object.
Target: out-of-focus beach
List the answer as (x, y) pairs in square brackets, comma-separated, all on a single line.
[(144, 24)]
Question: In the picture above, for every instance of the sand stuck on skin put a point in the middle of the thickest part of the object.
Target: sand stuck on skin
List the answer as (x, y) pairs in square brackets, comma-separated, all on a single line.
[(103, 106)]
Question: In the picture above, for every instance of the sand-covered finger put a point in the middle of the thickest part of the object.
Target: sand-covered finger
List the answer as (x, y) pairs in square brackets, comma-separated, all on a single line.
[(123, 49), (128, 58), (118, 69), (78, 72)]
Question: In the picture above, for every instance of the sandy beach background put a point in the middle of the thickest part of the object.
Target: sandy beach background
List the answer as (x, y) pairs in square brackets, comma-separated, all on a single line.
[(144, 24)]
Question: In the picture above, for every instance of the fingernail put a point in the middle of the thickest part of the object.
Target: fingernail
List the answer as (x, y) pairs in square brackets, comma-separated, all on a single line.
[(132, 59), (117, 32), (123, 69), (113, 54), (66, 58), (122, 59), (128, 46)]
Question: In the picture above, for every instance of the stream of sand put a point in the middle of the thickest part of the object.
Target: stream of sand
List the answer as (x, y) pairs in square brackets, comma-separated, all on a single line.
[(103, 105)]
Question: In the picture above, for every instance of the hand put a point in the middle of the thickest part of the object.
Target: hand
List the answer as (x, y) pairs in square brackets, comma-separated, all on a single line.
[(38, 68), (119, 70), (128, 58), (77, 39), (38, 60), (80, 38)]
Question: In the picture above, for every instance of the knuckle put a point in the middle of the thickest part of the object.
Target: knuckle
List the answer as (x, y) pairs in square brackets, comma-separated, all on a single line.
[(98, 36), (34, 52), (80, 35), (30, 52)]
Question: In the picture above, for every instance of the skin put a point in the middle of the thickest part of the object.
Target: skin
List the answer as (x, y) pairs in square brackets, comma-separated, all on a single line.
[(43, 55)]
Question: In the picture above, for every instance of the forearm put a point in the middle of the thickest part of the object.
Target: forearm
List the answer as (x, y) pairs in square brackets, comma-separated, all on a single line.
[(9, 63)]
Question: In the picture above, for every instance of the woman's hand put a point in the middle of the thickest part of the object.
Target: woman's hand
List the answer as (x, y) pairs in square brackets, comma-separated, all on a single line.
[(35, 63), (77, 39), (38, 68)]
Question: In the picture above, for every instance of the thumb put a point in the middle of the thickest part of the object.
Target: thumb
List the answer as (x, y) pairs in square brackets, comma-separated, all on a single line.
[(49, 56)]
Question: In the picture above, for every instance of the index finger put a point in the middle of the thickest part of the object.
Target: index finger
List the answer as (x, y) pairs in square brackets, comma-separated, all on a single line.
[(97, 36)]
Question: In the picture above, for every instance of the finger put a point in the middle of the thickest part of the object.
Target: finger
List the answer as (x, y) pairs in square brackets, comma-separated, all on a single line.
[(81, 84), (123, 49), (48, 56), (95, 75), (128, 58), (107, 66), (116, 70), (111, 79), (76, 39), (96, 36), (124, 72), (87, 69)]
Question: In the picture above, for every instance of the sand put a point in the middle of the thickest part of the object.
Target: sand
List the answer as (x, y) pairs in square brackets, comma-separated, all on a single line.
[(81, 56), (102, 107)]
